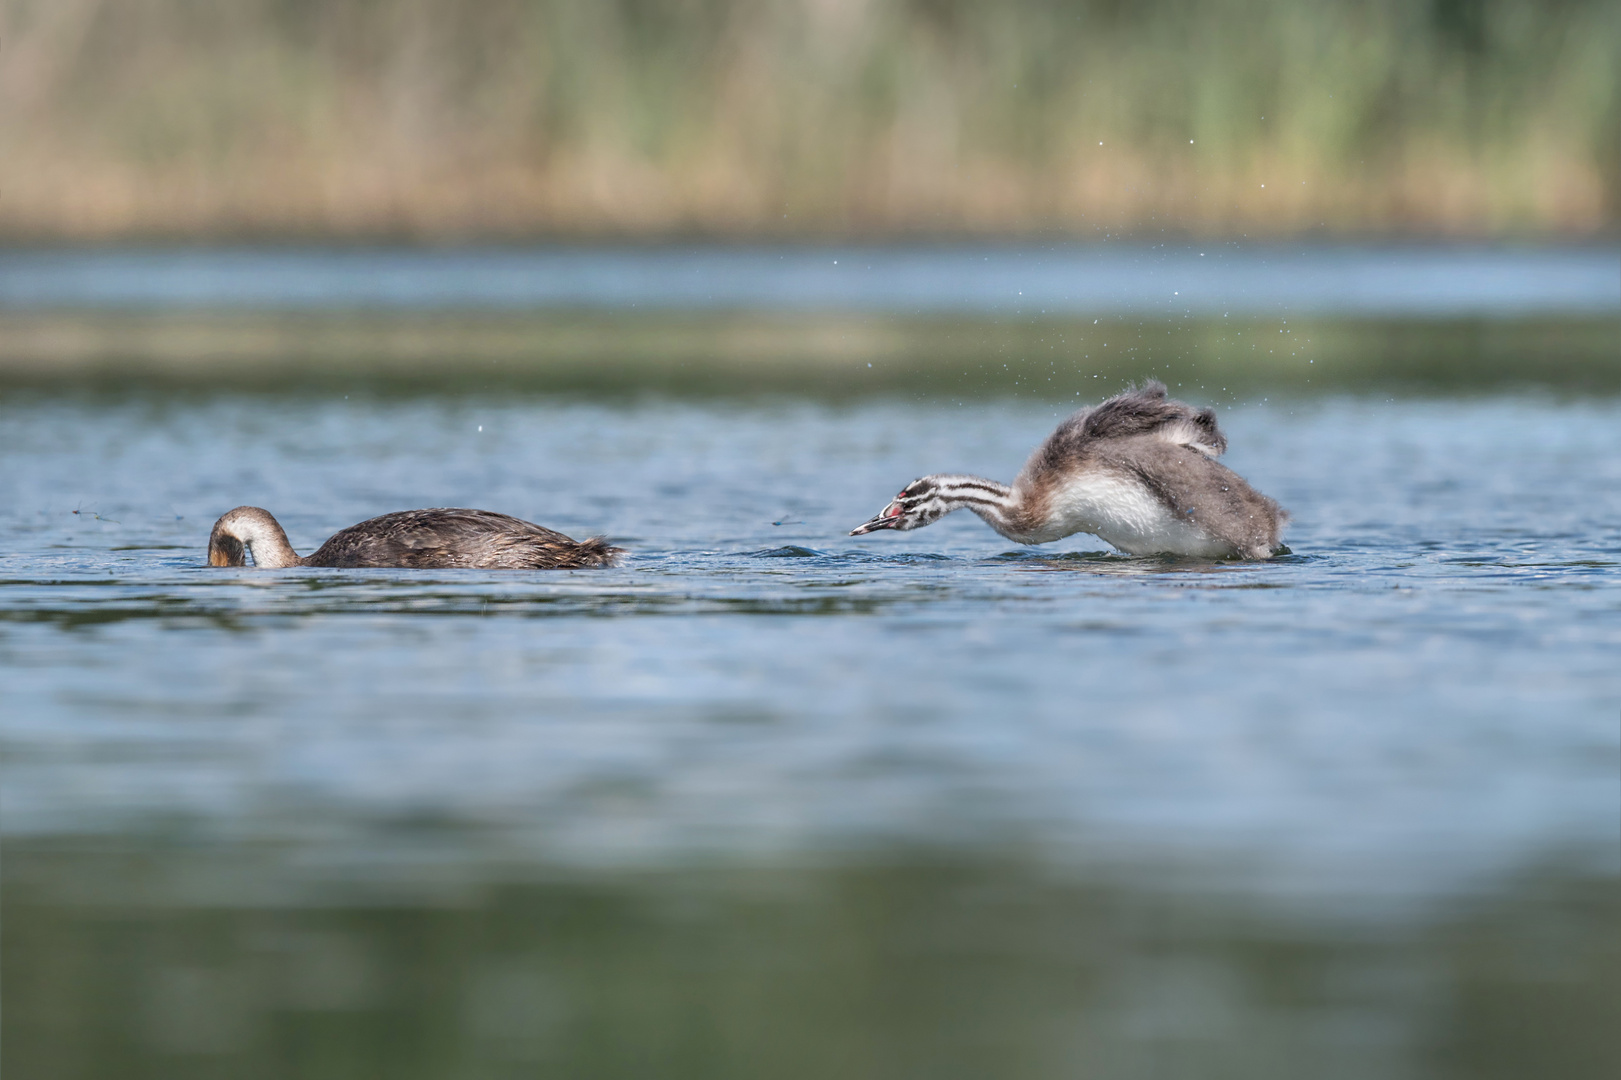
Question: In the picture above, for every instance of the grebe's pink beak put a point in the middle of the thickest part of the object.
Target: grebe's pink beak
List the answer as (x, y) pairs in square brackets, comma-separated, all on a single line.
[(888, 519)]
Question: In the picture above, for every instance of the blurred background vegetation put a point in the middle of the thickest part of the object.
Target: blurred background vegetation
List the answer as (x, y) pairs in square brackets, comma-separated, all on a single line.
[(449, 120)]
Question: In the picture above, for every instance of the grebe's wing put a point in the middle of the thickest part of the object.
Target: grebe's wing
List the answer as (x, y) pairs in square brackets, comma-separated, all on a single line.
[(444, 537), (1141, 411), (1200, 489)]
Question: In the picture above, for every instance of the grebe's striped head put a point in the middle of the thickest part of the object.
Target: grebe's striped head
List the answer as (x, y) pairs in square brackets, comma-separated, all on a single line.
[(920, 503)]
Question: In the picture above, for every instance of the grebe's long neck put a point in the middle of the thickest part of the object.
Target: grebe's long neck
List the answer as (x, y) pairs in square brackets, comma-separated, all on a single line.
[(255, 530), (998, 505)]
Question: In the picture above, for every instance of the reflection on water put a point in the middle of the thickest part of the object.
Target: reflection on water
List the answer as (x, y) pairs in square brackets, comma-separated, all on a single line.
[(169, 960), (830, 357), (771, 799)]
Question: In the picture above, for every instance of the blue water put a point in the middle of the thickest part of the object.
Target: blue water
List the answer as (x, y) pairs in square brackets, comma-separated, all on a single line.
[(1164, 281), (1421, 700)]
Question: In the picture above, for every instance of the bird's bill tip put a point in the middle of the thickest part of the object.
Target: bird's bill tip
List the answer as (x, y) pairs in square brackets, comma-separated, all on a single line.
[(888, 519)]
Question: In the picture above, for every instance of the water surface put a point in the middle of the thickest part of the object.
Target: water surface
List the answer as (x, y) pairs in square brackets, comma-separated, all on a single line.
[(1043, 810), (1167, 280)]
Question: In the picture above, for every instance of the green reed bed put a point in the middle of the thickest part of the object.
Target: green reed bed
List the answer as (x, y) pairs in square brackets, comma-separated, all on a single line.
[(834, 355)]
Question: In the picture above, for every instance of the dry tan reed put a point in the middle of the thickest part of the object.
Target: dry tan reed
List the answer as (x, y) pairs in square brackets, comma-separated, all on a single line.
[(447, 119)]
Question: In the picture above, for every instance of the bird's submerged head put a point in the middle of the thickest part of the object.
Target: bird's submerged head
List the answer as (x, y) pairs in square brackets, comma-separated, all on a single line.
[(920, 503), (248, 530), (225, 549)]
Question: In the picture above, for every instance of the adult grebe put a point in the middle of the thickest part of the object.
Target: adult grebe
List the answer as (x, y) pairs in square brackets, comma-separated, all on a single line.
[(419, 539), (1138, 471)]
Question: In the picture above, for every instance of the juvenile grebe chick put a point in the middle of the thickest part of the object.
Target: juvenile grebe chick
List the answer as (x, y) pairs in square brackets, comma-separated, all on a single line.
[(1138, 471), (420, 539)]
